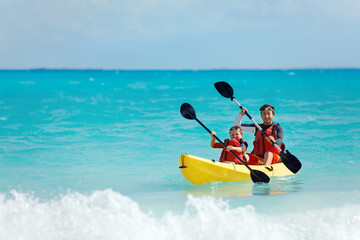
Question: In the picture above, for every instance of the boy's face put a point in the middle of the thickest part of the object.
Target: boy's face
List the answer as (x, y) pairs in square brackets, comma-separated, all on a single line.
[(235, 134)]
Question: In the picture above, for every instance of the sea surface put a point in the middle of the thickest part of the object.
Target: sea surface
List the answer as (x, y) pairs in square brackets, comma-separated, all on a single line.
[(92, 154)]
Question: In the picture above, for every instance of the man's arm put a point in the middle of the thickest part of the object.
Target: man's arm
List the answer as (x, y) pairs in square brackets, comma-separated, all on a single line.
[(279, 135), (245, 127)]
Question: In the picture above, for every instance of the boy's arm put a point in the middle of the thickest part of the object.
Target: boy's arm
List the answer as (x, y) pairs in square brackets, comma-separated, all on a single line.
[(212, 141), (241, 149)]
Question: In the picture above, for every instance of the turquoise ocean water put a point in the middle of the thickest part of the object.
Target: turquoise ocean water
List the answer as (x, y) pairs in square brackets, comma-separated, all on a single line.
[(93, 154)]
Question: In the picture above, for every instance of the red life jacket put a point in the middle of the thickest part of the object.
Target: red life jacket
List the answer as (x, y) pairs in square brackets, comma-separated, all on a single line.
[(261, 145), (227, 156)]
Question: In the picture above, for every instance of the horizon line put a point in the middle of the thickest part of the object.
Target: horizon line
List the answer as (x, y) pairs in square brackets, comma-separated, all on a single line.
[(182, 69)]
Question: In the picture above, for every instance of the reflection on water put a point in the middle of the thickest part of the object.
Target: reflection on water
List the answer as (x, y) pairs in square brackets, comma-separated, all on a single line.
[(276, 186)]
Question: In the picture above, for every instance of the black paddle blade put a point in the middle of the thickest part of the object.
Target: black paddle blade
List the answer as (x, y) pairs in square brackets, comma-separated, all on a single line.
[(259, 177), (187, 111), (224, 89), (290, 161)]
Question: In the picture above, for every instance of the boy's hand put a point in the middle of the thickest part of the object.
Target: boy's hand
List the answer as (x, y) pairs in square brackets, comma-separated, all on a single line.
[(228, 148)]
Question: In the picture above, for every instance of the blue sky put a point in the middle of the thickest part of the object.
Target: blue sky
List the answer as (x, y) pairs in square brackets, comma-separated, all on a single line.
[(183, 34)]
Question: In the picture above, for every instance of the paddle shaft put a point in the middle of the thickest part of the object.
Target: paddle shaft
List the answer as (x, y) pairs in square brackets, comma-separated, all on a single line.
[(257, 125), (223, 144)]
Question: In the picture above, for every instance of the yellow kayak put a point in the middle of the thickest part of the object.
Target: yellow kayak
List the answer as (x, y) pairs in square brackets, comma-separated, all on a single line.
[(202, 171)]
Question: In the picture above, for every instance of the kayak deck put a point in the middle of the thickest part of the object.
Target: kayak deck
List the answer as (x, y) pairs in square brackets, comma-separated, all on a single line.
[(202, 171)]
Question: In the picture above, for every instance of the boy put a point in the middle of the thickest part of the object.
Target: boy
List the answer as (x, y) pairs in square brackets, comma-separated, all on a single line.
[(235, 144)]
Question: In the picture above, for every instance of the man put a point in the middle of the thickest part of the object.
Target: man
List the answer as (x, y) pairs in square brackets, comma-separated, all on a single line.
[(264, 152)]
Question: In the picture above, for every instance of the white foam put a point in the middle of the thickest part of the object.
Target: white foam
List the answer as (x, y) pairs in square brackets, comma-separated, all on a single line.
[(110, 215)]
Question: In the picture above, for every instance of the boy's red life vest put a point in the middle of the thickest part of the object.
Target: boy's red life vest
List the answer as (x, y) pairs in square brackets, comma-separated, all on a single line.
[(261, 145), (227, 156)]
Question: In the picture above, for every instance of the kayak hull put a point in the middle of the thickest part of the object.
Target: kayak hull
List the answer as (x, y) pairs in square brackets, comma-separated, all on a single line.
[(203, 171)]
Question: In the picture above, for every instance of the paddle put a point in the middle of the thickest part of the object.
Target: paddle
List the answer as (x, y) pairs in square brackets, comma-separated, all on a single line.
[(290, 161), (188, 112)]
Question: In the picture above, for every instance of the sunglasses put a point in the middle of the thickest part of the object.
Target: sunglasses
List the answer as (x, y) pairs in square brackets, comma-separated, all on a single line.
[(235, 128), (268, 108)]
